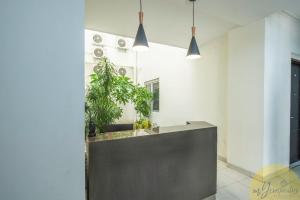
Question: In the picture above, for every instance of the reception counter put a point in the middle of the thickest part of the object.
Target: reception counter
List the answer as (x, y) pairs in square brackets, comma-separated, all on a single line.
[(165, 163)]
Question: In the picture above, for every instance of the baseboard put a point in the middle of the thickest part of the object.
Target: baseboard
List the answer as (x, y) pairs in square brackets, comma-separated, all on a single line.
[(222, 158), (257, 176), (241, 170), (236, 168)]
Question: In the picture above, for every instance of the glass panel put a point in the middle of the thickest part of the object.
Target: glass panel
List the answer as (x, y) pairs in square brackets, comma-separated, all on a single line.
[(148, 86), (156, 96)]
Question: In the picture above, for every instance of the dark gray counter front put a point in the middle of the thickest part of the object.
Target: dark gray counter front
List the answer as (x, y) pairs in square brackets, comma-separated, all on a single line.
[(178, 163)]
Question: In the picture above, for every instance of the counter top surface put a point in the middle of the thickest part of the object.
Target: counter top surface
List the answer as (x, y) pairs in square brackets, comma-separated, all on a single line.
[(192, 125)]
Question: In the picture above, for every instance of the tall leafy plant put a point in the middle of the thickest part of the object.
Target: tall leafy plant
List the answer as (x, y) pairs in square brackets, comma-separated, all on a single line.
[(108, 91), (103, 97)]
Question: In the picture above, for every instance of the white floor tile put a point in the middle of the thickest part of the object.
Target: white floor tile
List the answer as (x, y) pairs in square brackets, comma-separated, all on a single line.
[(231, 185), (238, 191), (221, 165), (223, 180), (297, 171), (247, 182), (234, 174), (291, 176), (222, 195)]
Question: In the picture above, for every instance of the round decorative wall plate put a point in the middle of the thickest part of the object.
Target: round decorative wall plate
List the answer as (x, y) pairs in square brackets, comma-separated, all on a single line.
[(121, 43), (122, 71), (96, 68), (97, 38), (98, 53)]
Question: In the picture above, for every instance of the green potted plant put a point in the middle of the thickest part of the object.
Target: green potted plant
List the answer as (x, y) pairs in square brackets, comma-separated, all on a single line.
[(103, 96), (141, 99), (107, 92)]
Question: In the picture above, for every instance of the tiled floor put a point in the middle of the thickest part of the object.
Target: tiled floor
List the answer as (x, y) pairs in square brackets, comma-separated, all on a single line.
[(232, 185), (297, 170)]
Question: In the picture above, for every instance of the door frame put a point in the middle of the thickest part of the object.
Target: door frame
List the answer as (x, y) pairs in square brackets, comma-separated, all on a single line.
[(295, 61), (295, 164)]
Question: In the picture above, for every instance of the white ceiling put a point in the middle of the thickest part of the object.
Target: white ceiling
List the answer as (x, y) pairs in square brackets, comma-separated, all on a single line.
[(169, 21)]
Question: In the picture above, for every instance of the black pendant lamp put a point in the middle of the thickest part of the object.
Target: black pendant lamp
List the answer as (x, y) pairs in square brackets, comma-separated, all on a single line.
[(193, 51), (140, 42)]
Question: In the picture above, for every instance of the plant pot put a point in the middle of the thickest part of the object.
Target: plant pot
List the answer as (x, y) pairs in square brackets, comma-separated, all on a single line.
[(92, 129), (118, 127)]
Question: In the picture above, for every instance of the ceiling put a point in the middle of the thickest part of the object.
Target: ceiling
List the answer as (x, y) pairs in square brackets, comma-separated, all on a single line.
[(169, 21)]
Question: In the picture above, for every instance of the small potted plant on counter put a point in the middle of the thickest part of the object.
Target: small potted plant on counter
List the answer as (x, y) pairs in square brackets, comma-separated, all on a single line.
[(141, 99)]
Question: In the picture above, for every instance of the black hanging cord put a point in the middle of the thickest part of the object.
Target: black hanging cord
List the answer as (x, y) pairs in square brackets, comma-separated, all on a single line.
[(141, 7), (193, 13)]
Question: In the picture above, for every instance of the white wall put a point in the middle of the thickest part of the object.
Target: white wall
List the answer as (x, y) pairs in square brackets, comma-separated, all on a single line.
[(120, 57), (42, 100), (259, 74), (246, 96), (295, 37), (282, 43), (189, 90)]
